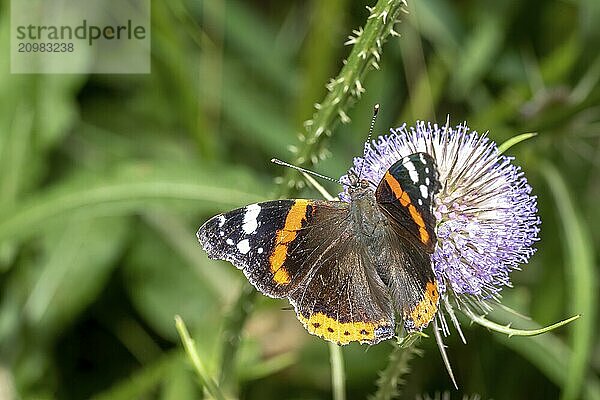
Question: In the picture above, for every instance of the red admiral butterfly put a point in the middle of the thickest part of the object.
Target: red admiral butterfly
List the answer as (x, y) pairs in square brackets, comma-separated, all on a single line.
[(347, 268)]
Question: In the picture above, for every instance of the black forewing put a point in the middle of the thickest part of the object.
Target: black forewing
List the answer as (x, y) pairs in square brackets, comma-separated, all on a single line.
[(224, 237), (405, 194)]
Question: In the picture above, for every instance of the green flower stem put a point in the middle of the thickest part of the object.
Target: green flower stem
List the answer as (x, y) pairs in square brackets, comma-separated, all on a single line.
[(338, 375), (347, 87), (391, 378)]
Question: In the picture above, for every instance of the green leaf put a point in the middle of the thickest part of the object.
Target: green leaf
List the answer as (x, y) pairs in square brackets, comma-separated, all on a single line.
[(481, 49), (139, 384), (179, 383), (252, 39), (322, 43), (548, 352), (551, 356), (175, 233)]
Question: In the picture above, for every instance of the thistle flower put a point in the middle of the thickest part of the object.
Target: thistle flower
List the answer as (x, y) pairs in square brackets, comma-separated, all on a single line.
[(486, 217)]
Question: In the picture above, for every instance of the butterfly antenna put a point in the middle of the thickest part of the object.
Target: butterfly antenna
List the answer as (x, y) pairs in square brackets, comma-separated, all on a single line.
[(375, 112), (306, 171)]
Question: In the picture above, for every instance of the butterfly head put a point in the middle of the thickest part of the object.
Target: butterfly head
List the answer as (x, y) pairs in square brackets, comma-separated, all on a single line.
[(359, 187)]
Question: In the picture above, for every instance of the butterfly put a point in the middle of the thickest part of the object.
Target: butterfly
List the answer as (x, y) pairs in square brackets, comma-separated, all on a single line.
[(349, 269)]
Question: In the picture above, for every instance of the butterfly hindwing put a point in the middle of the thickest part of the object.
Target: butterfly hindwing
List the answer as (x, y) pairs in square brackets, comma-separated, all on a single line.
[(406, 270), (405, 195), (341, 298)]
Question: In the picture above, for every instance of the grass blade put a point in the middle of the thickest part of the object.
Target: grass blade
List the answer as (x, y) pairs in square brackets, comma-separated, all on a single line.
[(130, 187), (580, 270), (190, 349)]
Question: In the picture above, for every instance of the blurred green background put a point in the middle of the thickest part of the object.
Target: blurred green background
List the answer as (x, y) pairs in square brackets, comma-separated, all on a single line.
[(104, 180)]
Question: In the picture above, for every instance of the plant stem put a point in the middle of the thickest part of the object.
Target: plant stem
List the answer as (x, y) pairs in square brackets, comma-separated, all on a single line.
[(338, 375), (390, 379), (347, 87), (507, 330)]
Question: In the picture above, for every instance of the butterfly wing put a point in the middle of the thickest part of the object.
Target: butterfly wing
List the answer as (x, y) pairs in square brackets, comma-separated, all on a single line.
[(405, 268), (405, 195), (343, 299), (306, 250), (255, 239)]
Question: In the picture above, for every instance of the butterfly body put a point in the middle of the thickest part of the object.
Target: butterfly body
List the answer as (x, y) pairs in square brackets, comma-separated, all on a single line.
[(347, 268)]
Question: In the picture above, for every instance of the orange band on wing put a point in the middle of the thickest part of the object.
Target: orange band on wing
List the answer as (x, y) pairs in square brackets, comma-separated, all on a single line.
[(397, 189), (416, 216), (293, 223), (404, 199)]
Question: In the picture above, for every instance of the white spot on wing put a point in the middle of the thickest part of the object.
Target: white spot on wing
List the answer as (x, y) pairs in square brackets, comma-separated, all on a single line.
[(260, 250), (244, 246), (412, 171), (414, 175), (250, 219), (427, 180), (222, 233), (229, 242), (420, 202), (221, 220), (423, 189), (422, 158)]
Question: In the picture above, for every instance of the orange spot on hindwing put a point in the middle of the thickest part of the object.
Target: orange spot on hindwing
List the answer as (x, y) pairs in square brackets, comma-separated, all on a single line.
[(425, 310), (293, 223)]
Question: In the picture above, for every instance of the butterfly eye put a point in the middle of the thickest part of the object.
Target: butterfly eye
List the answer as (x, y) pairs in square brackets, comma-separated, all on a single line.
[(364, 184), (352, 178)]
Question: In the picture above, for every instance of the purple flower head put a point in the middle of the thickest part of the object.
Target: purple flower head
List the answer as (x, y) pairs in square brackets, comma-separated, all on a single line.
[(486, 217)]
